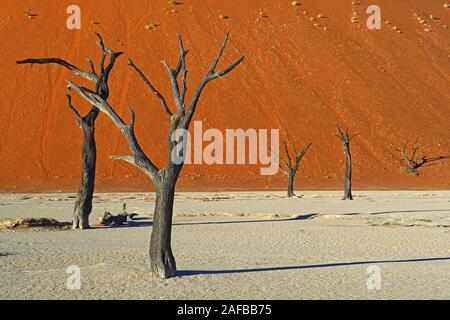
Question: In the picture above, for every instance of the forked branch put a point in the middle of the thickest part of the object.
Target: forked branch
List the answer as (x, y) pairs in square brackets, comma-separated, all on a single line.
[(152, 88), (413, 162), (78, 117), (140, 159), (210, 75), (292, 163), (345, 137)]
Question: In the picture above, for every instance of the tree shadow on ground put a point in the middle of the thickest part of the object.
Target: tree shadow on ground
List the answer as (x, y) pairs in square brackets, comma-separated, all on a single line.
[(311, 266), (298, 218), (146, 222), (398, 211)]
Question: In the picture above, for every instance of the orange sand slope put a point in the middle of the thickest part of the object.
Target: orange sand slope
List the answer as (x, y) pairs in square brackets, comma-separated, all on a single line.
[(302, 74)]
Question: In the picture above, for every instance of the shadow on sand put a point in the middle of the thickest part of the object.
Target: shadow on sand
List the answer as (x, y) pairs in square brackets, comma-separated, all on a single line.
[(298, 218), (311, 266), (145, 222), (400, 211)]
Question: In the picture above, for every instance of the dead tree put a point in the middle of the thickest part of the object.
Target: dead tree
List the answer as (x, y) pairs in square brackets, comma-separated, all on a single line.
[(161, 257), (413, 162), (291, 165), (83, 201), (345, 139)]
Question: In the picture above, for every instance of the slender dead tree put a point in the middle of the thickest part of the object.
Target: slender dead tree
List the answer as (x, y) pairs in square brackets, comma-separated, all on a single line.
[(291, 165), (413, 162), (345, 139), (161, 257), (83, 201)]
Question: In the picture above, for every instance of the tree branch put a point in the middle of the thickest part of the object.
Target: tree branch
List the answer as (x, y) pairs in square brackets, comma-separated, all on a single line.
[(175, 87), (87, 75), (152, 88), (78, 117), (140, 158), (286, 151), (182, 63), (228, 69), (128, 159), (210, 75)]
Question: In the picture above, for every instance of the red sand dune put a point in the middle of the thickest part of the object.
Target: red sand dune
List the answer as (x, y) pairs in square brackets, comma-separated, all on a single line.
[(388, 86)]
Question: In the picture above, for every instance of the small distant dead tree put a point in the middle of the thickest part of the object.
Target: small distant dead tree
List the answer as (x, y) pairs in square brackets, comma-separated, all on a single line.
[(161, 257), (413, 162), (345, 139), (291, 164), (83, 201)]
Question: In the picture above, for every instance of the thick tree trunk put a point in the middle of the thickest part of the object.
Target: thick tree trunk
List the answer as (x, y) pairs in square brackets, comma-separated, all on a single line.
[(83, 202), (348, 175), (290, 192), (162, 260)]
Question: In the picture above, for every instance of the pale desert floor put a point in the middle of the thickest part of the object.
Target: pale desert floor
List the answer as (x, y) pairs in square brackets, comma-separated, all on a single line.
[(245, 245)]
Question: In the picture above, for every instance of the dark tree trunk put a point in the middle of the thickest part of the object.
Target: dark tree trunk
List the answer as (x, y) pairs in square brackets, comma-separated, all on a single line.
[(348, 174), (162, 261), (83, 202), (290, 167), (290, 192)]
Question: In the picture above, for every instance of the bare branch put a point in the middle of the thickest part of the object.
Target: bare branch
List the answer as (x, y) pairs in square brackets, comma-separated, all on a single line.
[(87, 75), (300, 155), (128, 159), (78, 117), (413, 164), (183, 53), (286, 150), (285, 163), (104, 52), (144, 162), (102, 85), (291, 167), (112, 59), (345, 137), (133, 118), (175, 87), (229, 68), (91, 66), (152, 88), (81, 92), (283, 170), (219, 54), (182, 64), (292, 144), (210, 75)]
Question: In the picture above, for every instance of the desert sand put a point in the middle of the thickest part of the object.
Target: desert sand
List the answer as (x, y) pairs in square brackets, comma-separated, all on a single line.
[(307, 67), (241, 245), (390, 85)]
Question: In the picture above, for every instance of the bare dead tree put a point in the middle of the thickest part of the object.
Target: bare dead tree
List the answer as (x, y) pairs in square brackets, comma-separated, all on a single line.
[(290, 164), (83, 201), (161, 257), (345, 139), (413, 162)]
